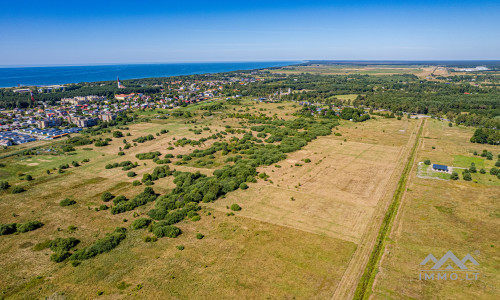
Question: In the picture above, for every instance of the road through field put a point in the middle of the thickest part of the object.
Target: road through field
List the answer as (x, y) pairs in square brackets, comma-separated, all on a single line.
[(364, 260)]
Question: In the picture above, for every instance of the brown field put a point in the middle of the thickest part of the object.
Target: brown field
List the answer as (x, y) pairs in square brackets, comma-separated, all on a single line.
[(437, 216), (239, 257)]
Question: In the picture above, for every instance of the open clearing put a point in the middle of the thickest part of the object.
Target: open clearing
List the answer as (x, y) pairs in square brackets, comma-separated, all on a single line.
[(438, 216)]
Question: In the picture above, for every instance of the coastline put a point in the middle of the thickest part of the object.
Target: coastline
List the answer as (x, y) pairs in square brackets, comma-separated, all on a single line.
[(58, 75)]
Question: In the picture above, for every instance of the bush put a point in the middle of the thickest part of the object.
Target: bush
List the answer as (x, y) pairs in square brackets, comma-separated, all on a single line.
[(107, 196), (199, 236), (235, 207), (103, 207), (17, 190), (243, 186), (482, 171), (67, 202), (140, 223), (28, 177), (136, 183), (493, 171), (121, 153), (307, 160), (150, 239), (180, 247), (497, 164), (6, 229), (131, 174), (4, 185), (162, 229), (117, 134), (196, 218), (427, 162), (466, 175), (105, 244), (63, 244), (59, 256), (454, 175), (28, 226)]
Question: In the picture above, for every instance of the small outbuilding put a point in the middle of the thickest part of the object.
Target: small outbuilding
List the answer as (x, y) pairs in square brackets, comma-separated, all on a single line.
[(440, 168)]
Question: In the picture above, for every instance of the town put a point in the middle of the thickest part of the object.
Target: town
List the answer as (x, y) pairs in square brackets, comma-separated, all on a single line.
[(42, 121)]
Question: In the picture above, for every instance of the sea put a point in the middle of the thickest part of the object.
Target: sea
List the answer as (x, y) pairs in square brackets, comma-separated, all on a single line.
[(52, 75)]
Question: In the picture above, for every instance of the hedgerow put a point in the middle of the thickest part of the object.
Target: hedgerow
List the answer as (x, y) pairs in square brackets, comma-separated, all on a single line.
[(103, 245)]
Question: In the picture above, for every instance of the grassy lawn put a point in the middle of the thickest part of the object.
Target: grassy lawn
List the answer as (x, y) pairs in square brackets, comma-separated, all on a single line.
[(465, 161)]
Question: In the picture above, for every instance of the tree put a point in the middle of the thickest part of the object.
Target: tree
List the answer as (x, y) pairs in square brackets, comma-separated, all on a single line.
[(427, 162), (117, 134), (472, 168), (454, 175), (107, 196), (482, 171), (466, 175), (489, 156)]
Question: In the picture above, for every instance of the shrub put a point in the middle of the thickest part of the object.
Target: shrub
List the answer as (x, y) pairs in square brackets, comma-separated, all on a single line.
[(136, 183), (196, 218), (427, 162), (17, 190), (243, 186), (28, 226), (67, 202), (105, 244), (107, 196), (140, 223), (4, 185), (103, 207), (59, 256), (148, 195), (6, 229), (150, 239), (454, 175), (497, 164), (117, 134), (482, 171), (199, 236), (307, 160), (466, 175), (180, 247), (63, 244), (121, 153), (131, 174), (493, 171), (28, 177), (235, 207), (162, 229)]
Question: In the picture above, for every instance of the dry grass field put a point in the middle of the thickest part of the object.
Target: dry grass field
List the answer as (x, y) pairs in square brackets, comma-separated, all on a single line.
[(437, 216), (336, 193), (241, 256)]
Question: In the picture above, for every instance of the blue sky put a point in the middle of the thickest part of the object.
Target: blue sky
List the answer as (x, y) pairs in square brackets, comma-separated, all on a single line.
[(87, 32)]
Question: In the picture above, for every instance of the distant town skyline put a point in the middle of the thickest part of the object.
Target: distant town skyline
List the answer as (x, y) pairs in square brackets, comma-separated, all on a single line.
[(119, 32)]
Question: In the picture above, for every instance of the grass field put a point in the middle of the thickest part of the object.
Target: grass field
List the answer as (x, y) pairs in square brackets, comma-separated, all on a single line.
[(261, 258), (438, 216)]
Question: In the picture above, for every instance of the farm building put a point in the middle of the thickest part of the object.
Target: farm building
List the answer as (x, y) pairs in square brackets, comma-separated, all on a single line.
[(440, 168)]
